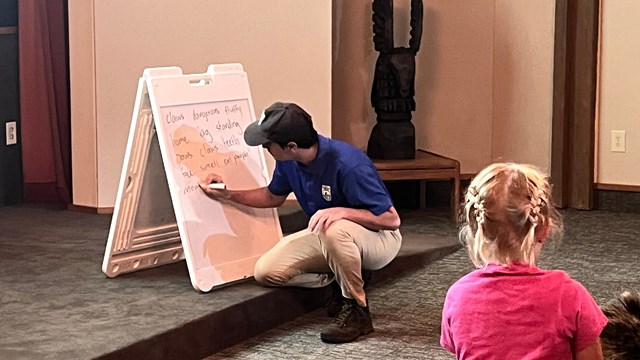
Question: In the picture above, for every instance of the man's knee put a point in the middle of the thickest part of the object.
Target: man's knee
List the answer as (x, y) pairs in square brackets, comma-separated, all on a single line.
[(336, 233), (264, 274)]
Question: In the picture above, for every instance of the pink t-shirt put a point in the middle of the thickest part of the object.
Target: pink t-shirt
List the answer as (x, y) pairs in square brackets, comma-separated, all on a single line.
[(519, 312)]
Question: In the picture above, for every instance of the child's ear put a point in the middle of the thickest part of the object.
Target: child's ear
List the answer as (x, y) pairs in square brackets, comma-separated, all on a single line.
[(542, 231)]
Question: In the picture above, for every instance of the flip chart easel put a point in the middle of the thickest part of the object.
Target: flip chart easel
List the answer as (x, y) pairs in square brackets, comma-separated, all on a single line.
[(183, 128)]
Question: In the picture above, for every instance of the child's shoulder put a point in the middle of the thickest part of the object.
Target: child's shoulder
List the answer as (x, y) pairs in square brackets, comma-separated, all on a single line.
[(468, 280), (565, 286), (555, 285), (516, 273), (562, 275)]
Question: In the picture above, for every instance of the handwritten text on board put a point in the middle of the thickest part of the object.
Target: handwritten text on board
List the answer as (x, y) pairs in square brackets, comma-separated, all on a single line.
[(206, 138)]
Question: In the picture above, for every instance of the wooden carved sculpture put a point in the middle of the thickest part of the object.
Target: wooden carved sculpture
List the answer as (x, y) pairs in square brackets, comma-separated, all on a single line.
[(393, 136)]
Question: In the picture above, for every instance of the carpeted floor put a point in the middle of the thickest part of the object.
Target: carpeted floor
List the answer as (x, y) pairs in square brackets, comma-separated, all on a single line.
[(599, 249), (56, 303)]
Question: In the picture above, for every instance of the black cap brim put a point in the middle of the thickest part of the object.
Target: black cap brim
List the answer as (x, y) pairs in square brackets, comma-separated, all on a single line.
[(254, 136)]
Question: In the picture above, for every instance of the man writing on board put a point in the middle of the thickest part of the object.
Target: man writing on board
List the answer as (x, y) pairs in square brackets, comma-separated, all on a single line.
[(353, 224)]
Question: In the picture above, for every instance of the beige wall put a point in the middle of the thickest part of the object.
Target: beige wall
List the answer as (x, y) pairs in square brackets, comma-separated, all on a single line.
[(619, 92), (284, 45), (453, 115), (523, 81), (483, 79), (353, 60), (455, 101)]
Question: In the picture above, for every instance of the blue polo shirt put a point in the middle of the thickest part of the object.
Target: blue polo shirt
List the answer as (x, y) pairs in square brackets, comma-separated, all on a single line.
[(340, 176)]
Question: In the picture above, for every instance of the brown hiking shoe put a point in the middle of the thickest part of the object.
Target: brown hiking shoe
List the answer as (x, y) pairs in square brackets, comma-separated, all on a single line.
[(336, 300), (352, 321)]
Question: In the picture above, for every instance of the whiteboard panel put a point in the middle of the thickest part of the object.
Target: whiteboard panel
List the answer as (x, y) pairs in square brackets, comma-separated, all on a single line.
[(200, 121)]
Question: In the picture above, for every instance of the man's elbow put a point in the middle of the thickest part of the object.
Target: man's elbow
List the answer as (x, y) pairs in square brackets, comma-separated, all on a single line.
[(277, 201), (274, 200), (394, 219), (394, 223)]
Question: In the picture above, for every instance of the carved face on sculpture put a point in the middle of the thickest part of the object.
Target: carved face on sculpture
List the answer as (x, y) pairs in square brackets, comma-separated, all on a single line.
[(403, 65)]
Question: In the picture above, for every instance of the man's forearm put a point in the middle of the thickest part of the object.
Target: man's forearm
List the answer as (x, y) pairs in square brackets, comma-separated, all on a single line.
[(259, 198), (389, 220)]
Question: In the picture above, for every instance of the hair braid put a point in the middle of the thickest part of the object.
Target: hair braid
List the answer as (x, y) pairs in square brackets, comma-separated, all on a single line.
[(507, 212)]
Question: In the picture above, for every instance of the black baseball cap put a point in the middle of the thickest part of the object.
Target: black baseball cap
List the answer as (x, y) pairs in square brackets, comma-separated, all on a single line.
[(281, 123)]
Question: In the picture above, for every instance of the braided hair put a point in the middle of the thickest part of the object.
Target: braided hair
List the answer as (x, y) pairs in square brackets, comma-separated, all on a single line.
[(508, 214)]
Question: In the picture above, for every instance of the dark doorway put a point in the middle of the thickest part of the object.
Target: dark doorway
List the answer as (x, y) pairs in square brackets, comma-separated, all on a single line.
[(10, 146)]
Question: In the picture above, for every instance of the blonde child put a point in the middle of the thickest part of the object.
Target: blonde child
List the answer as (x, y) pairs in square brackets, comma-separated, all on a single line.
[(508, 308)]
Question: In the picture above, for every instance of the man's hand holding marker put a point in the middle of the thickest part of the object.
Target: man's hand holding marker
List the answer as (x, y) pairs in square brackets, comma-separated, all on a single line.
[(214, 187)]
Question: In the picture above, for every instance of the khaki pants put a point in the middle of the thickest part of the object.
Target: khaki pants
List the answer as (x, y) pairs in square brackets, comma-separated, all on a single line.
[(310, 260)]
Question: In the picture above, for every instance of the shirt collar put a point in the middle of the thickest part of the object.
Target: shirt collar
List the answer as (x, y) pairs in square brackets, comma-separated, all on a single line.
[(513, 267), (319, 163)]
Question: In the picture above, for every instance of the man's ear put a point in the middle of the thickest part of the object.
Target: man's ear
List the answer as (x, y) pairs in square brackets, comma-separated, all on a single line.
[(291, 145)]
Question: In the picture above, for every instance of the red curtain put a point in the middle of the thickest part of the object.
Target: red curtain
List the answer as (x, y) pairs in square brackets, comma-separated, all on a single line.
[(44, 101)]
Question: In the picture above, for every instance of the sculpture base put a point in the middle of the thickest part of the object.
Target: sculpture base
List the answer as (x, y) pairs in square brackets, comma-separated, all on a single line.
[(392, 141)]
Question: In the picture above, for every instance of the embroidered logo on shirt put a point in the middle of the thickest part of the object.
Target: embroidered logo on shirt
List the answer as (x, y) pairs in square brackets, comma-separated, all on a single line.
[(326, 192)]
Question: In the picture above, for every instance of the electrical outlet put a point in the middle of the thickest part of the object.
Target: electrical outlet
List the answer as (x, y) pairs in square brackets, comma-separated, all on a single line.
[(618, 141), (12, 133)]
